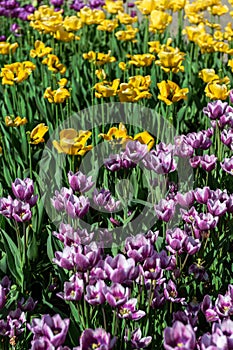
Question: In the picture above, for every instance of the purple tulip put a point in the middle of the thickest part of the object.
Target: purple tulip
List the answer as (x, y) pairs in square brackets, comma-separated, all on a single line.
[(186, 199), (57, 3), (215, 109), (139, 247), (53, 328), (86, 259), (65, 259), (227, 165), (216, 207), (195, 161), (199, 140), (94, 339), (165, 209), (28, 305), (152, 269), (73, 290), (135, 151), (23, 189), (207, 162), (205, 222), (160, 161), (128, 310), (227, 138), (191, 246), (21, 211), (77, 207), (60, 198), (170, 292), (16, 320), (179, 336), (224, 305), (121, 270), (117, 295), (113, 163), (137, 341), (16, 29), (175, 239), (2, 37), (202, 194), (80, 182), (6, 206), (208, 310), (96, 294), (182, 148)]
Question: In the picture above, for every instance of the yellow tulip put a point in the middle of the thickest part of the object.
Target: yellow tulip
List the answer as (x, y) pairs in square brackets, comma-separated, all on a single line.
[(100, 73), (146, 6), (155, 46), (127, 35), (170, 92), (40, 50), (99, 58), (72, 23), (108, 25), (106, 89), (56, 96), (219, 10), (159, 21), (124, 18), (144, 60), (14, 122), (208, 75), (16, 72), (171, 59), (116, 133), (112, 6), (88, 16), (135, 90), (7, 48), (145, 138), (122, 66), (54, 64), (73, 142), (217, 89), (37, 134)]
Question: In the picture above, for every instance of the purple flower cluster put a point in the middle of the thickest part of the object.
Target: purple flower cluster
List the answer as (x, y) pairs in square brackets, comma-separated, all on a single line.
[(67, 202), (182, 334), (12, 9), (77, 5), (19, 208), (48, 332), (96, 339)]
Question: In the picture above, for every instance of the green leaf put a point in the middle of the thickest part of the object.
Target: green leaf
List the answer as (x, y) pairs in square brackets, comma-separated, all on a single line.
[(13, 258)]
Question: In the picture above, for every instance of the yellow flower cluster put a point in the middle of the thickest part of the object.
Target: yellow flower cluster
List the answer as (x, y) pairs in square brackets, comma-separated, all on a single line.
[(73, 142), (59, 95), (216, 88), (7, 48), (120, 135), (127, 35), (10, 121), (170, 92), (16, 72), (40, 50), (170, 58), (99, 58), (144, 60), (48, 21), (136, 89), (88, 16), (37, 134), (54, 64)]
